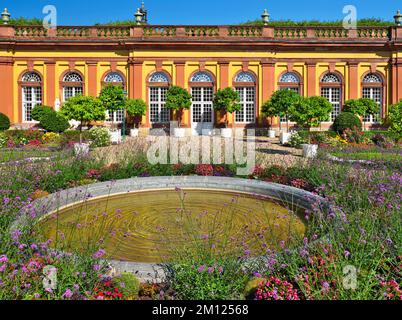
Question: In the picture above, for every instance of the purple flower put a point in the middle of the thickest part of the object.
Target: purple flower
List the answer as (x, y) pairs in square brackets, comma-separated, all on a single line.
[(201, 269), (68, 294), (3, 259), (97, 267), (211, 270), (99, 254), (347, 254)]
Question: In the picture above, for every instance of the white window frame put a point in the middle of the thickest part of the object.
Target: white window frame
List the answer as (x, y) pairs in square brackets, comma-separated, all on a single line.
[(333, 103), (34, 102), (371, 96), (160, 104), (244, 103), (203, 104)]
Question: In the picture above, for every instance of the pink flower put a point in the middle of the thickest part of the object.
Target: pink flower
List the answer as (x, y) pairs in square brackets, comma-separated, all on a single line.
[(201, 269)]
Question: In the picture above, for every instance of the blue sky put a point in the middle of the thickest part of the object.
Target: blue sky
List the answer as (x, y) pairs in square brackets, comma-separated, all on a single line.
[(82, 12)]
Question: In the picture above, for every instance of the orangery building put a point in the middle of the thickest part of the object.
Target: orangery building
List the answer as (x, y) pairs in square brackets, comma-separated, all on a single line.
[(48, 66)]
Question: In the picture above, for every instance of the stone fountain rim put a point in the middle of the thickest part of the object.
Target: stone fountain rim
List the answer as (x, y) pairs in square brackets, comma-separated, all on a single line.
[(50, 204)]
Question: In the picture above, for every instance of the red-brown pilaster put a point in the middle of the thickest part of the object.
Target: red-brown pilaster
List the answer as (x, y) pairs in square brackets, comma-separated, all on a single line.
[(353, 81), (92, 78), (50, 83), (268, 87), (311, 79), (6, 87)]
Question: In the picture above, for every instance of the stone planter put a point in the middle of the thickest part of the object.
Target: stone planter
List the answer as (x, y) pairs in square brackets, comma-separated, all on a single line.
[(271, 134), (81, 149), (310, 150), (115, 137), (179, 132), (226, 133), (134, 132), (285, 137)]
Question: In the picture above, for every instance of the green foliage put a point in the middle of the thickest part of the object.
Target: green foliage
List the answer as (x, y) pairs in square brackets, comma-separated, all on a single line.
[(310, 112), (129, 284), (113, 98), (4, 122), (39, 111), (361, 107), (54, 122), (227, 100), (100, 137), (136, 108), (83, 109), (281, 104), (394, 118), (369, 22), (3, 139), (118, 23), (346, 120), (26, 21), (178, 98)]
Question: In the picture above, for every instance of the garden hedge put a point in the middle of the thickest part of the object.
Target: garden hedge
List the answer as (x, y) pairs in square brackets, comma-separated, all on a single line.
[(4, 122), (346, 120), (54, 122)]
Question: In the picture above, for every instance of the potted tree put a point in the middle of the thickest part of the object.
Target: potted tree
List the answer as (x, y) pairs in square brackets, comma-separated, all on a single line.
[(307, 113), (83, 109), (227, 101), (280, 105), (178, 99), (361, 107), (136, 108), (113, 99)]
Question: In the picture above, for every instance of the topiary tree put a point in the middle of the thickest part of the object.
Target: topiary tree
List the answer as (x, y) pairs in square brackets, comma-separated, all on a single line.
[(136, 108), (361, 107), (39, 111), (347, 120), (113, 99), (54, 122), (310, 112), (228, 101), (178, 99), (4, 122), (280, 105), (394, 118), (83, 109)]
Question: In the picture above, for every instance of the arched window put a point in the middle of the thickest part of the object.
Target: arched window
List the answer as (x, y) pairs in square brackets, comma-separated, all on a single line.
[(158, 85), (245, 86), (373, 88), (72, 85), (31, 84), (201, 77), (289, 81), (202, 91), (116, 79), (331, 89)]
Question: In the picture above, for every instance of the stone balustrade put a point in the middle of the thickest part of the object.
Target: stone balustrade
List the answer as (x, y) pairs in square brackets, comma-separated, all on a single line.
[(229, 33)]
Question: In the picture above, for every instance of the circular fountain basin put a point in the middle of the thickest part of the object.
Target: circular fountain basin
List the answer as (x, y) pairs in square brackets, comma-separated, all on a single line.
[(141, 221)]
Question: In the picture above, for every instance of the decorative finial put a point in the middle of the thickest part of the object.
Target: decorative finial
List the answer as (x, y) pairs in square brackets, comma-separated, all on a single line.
[(265, 17), (398, 18), (138, 17), (5, 16)]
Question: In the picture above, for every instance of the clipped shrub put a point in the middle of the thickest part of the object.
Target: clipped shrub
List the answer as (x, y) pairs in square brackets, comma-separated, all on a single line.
[(99, 136), (129, 285), (39, 111), (346, 120), (54, 122), (4, 122)]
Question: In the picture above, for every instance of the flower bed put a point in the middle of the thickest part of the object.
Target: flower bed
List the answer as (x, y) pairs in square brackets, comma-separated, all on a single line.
[(366, 201)]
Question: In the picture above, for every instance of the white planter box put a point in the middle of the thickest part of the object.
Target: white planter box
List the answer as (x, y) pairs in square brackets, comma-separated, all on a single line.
[(226, 133), (310, 150), (271, 133), (134, 132), (285, 137), (81, 149), (115, 137), (179, 132)]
